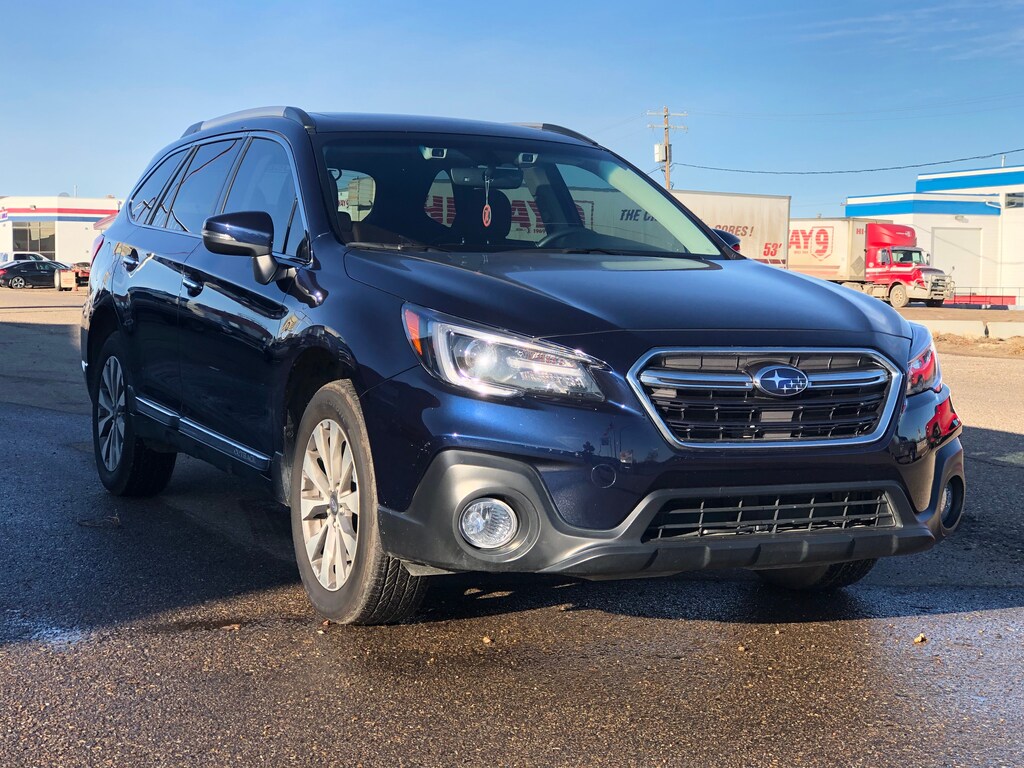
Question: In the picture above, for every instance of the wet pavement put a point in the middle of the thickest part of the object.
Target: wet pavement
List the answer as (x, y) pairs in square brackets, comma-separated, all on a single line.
[(173, 631)]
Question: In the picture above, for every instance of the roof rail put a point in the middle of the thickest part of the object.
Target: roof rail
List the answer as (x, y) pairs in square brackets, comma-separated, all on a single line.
[(559, 129), (292, 113)]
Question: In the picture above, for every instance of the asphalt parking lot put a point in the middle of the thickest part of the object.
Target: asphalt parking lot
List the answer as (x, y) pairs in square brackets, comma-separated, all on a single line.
[(174, 631)]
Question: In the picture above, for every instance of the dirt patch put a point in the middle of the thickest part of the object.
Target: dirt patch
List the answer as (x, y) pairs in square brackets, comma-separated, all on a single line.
[(948, 343)]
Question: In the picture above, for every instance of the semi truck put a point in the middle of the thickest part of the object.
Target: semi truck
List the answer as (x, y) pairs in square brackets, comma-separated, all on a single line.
[(759, 221), (870, 255)]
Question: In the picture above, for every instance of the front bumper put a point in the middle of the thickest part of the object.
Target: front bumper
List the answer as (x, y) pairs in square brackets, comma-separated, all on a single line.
[(584, 483), (427, 533), (933, 291)]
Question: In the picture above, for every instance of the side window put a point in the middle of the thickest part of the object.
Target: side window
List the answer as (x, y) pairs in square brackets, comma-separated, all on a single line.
[(356, 191), (200, 187), (144, 201), (264, 182), (440, 202)]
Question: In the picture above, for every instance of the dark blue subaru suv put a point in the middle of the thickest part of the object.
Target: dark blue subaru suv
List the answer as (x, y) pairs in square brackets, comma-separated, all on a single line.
[(462, 346)]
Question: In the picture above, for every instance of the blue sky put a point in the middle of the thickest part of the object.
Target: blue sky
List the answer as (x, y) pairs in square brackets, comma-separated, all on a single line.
[(92, 90)]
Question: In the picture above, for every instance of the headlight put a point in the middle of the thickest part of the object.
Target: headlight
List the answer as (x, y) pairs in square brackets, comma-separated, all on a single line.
[(497, 363), (923, 371)]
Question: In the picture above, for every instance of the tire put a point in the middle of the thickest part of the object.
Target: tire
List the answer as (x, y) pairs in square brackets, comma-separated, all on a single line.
[(898, 295), (934, 302), (346, 573), (16, 283), (818, 578), (131, 468)]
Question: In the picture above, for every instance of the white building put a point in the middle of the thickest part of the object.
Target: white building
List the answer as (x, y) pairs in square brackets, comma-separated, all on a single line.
[(60, 228), (970, 220)]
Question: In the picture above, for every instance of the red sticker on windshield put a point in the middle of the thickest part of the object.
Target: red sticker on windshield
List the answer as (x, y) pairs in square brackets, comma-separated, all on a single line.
[(487, 215)]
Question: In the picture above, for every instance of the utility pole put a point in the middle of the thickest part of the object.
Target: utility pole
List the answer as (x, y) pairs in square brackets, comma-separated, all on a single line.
[(663, 152)]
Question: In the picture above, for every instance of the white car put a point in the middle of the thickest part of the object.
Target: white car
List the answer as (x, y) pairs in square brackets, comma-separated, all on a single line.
[(23, 256)]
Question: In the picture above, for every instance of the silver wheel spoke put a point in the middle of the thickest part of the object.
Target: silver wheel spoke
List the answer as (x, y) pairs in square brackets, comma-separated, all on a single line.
[(347, 465), (315, 544), (320, 439), (348, 537), (312, 470), (315, 509), (336, 446), (327, 575)]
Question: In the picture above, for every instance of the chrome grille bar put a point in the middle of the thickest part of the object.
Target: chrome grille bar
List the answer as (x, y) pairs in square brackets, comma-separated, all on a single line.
[(707, 397)]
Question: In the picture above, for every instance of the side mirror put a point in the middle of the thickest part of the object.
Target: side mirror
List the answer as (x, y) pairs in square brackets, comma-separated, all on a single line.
[(242, 233)]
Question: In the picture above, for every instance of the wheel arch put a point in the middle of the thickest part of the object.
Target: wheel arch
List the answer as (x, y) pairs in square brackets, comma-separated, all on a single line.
[(103, 321), (312, 368)]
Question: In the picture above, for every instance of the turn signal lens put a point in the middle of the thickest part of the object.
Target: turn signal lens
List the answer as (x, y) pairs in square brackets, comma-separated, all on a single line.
[(96, 245), (923, 372)]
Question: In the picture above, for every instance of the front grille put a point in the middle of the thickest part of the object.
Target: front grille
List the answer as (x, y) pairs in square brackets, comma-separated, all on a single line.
[(768, 513), (708, 397)]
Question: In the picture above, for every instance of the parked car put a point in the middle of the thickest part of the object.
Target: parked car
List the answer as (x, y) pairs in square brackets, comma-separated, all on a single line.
[(29, 274), (442, 353), (22, 256), (728, 238)]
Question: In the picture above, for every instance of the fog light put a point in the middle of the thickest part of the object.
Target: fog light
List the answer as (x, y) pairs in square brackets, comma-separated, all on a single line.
[(951, 505), (488, 523)]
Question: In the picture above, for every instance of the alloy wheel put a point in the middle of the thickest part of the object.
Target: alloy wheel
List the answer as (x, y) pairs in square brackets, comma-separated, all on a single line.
[(17, 282), (329, 497), (110, 413)]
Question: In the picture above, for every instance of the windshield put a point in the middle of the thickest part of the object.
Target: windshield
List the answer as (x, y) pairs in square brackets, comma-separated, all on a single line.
[(486, 194), (908, 256)]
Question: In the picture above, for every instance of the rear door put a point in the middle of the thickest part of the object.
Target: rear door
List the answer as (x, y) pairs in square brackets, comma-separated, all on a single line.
[(231, 324)]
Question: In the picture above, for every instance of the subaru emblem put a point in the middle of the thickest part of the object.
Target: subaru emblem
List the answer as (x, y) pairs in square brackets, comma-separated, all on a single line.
[(781, 380)]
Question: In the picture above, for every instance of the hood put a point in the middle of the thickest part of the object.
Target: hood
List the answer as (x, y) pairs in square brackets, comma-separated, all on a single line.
[(558, 295)]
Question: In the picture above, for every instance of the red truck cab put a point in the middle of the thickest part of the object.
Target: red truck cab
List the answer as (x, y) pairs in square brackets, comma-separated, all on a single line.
[(894, 260)]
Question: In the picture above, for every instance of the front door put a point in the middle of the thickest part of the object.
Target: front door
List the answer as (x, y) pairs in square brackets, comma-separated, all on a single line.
[(231, 325)]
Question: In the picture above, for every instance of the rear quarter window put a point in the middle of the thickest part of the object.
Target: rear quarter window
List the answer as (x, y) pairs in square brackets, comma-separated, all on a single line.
[(144, 201)]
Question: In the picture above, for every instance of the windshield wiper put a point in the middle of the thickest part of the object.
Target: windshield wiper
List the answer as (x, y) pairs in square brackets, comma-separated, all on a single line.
[(619, 252), (406, 247)]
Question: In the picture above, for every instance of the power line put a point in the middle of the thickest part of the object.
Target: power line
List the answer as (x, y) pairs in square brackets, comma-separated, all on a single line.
[(857, 170), (925, 106)]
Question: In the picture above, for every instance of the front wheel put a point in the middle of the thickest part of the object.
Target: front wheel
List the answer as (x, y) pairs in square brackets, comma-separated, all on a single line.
[(126, 465), (818, 578), (347, 575), (898, 295)]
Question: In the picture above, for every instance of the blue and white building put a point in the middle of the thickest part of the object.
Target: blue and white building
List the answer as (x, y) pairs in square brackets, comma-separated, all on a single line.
[(61, 228), (972, 222)]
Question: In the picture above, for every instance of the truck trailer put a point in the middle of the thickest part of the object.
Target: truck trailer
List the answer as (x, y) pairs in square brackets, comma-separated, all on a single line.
[(759, 221), (870, 255)]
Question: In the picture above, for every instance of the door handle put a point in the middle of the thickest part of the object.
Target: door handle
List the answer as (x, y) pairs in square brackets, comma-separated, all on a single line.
[(194, 287), (130, 259)]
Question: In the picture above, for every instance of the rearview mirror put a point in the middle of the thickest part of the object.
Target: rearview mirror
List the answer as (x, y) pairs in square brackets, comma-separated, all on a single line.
[(241, 233), (502, 177)]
